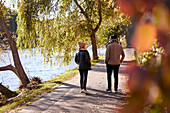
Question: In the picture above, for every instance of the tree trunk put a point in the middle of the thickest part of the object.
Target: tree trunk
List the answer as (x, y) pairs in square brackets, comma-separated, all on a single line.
[(5, 91), (94, 46), (93, 37), (21, 73)]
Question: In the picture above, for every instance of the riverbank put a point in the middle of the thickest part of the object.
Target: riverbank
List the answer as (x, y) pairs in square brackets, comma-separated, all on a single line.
[(27, 96), (35, 66)]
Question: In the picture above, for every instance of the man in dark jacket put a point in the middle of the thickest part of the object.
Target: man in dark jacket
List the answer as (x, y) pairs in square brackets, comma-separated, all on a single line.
[(83, 59)]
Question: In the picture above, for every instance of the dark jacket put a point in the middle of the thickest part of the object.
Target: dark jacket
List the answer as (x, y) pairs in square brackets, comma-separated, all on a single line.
[(82, 58)]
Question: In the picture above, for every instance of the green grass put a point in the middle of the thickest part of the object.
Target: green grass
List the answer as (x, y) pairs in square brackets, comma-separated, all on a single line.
[(29, 96), (94, 62)]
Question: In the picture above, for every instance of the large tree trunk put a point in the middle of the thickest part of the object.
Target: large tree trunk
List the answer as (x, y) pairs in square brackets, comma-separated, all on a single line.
[(5, 91), (21, 73), (94, 46)]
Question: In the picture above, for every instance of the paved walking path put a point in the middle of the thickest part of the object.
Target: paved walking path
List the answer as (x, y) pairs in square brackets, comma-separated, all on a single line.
[(68, 99)]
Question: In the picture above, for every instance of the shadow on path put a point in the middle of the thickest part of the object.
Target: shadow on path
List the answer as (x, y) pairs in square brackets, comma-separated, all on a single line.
[(102, 67), (73, 100), (68, 99)]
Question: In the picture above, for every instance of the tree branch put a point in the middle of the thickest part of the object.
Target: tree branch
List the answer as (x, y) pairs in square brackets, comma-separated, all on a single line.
[(57, 2), (5, 91), (9, 67), (81, 9), (100, 16)]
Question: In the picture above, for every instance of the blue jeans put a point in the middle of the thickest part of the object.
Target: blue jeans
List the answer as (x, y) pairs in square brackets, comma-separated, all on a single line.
[(83, 78), (110, 68)]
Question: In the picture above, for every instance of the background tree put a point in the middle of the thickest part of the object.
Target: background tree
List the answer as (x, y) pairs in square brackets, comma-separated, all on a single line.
[(56, 27), (18, 69), (71, 20), (114, 22)]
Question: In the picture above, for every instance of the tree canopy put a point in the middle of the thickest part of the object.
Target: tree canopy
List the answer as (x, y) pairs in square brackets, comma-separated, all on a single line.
[(57, 26)]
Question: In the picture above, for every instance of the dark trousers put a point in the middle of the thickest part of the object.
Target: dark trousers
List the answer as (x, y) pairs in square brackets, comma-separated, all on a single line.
[(83, 78), (110, 68)]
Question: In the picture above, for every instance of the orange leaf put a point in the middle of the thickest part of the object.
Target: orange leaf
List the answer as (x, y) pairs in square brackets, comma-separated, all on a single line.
[(126, 7), (144, 36)]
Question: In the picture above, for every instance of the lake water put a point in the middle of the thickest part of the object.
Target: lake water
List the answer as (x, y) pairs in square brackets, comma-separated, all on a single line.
[(33, 66)]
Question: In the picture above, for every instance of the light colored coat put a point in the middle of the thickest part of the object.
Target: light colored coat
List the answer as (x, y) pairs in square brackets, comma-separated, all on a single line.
[(113, 53)]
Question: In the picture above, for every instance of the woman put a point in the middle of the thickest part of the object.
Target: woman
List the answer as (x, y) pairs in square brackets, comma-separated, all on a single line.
[(83, 60)]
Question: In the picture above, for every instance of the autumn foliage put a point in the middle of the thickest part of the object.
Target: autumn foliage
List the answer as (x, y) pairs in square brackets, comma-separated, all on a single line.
[(149, 82), (144, 36)]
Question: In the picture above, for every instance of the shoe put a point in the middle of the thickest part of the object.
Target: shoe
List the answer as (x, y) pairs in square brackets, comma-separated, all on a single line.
[(116, 92), (108, 90), (81, 91), (84, 91)]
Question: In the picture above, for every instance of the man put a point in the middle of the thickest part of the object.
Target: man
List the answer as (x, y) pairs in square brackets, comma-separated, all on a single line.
[(113, 61)]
